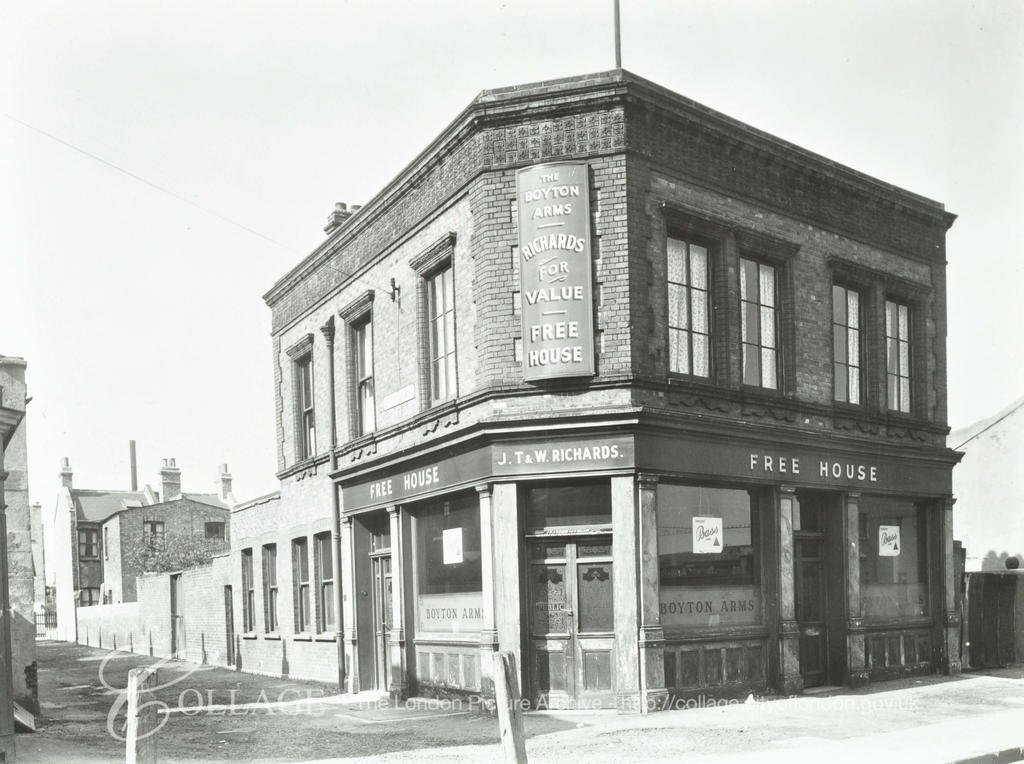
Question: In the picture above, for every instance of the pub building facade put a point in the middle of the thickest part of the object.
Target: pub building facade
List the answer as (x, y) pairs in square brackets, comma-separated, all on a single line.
[(646, 396)]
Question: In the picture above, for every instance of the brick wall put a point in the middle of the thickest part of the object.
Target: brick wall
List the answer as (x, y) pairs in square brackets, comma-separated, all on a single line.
[(20, 573), (659, 148), (113, 575), (144, 626), (181, 518), (818, 254), (307, 655)]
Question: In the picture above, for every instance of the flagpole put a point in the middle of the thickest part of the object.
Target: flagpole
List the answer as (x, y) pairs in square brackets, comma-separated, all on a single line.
[(618, 38)]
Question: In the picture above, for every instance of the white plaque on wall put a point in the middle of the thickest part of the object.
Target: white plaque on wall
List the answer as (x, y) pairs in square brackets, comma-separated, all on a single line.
[(707, 535), (888, 541), (451, 541)]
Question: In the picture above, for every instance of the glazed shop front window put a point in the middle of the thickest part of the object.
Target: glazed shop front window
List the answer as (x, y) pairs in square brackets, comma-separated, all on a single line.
[(448, 583), (708, 557), (893, 559)]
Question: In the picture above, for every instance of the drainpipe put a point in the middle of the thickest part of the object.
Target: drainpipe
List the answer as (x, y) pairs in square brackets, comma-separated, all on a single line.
[(328, 331)]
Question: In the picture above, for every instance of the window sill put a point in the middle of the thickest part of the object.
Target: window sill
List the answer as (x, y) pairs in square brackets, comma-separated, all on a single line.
[(902, 417), (675, 379), (842, 408), (763, 393), (272, 635), (310, 463), (325, 638), (249, 635), (302, 637)]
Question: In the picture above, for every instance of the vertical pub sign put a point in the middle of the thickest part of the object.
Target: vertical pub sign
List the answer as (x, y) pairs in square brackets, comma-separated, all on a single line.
[(554, 271)]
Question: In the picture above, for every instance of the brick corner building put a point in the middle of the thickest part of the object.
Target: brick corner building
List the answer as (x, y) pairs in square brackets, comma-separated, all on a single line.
[(606, 378)]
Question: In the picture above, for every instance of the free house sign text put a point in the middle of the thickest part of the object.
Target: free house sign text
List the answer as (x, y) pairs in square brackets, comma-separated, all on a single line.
[(555, 295)]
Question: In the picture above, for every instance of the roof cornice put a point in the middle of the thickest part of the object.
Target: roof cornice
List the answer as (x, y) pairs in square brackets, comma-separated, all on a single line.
[(586, 92)]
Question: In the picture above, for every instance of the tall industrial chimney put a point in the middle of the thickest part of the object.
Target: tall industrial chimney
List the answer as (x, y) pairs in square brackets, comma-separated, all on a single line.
[(135, 474)]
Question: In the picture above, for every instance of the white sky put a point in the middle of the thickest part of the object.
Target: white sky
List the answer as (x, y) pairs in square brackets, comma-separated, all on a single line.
[(141, 316)]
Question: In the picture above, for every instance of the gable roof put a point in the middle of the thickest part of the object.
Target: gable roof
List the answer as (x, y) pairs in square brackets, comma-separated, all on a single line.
[(95, 506), (207, 498)]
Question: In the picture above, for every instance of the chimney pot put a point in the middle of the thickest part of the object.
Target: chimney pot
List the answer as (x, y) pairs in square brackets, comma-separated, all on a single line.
[(66, 475), (170, 477), (225, 481), (340, 214)]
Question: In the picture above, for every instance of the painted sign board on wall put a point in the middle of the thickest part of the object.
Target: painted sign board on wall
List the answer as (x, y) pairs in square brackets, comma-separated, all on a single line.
[(556, 295)]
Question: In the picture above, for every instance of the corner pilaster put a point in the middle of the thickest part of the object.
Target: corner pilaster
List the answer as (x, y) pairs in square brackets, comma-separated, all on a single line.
[(399, 685), (856, 666), (951, 620), (790, 680), (653, 693), (348, 616), (488, 630), (625, 595)]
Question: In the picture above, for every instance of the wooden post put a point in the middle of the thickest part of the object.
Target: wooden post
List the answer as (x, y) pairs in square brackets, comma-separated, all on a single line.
[(140, 730), (510, 709)]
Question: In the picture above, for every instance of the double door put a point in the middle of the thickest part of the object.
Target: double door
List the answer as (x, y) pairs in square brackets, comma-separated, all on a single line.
[(571, 622)]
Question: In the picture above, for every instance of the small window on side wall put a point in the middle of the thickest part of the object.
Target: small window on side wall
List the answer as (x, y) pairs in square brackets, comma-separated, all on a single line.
[(215, 530), (248, 593), (362, 345), (689, 306), (759, 324), (441, 334), (323, 563), (897, 354), (301, 355), (304, 411), (846, 345), (438, 380)]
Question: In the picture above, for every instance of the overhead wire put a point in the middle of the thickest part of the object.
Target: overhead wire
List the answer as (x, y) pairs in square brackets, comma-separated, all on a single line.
[(151, 184)]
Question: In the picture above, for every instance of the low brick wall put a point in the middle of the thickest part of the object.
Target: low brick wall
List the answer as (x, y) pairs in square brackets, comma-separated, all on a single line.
[(145, 626), (113, 627)]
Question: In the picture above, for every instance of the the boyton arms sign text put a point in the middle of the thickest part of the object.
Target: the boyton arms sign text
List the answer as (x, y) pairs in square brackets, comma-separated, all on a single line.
[(554, 270)]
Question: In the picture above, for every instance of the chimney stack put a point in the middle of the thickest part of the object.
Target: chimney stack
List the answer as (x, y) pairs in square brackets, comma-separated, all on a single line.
[(135, 473), (225, 481), (65, 472), (170, 477), (340, 215)]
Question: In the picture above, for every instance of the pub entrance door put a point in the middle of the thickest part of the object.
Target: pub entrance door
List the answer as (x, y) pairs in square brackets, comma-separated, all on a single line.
[(382, 608), (571, 622), (812, 607)]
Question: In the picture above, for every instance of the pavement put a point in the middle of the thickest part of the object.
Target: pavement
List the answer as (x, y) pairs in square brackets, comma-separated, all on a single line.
[(218, 715)]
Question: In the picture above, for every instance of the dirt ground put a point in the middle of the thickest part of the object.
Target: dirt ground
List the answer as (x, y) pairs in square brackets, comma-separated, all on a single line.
[(221, 715), (218, 714)]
